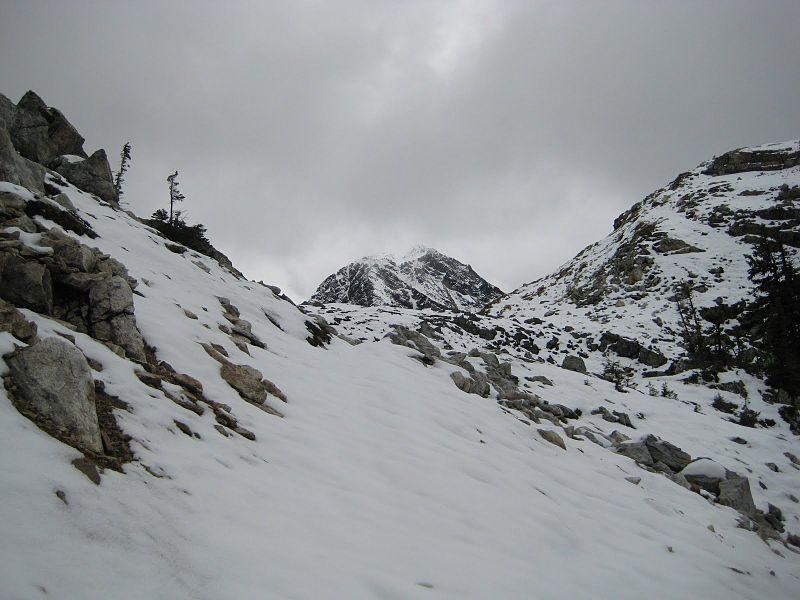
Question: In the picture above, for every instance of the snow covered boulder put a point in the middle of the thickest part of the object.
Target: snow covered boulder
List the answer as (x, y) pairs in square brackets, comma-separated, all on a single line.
[(705, 474), (53, 386)]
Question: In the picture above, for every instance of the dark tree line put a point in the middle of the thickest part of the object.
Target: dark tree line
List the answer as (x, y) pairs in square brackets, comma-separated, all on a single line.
[(715, 336), (173, 226), (777, 308)]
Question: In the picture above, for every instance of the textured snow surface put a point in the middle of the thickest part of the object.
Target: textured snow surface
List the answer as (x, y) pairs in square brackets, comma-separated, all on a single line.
[(383, 480)]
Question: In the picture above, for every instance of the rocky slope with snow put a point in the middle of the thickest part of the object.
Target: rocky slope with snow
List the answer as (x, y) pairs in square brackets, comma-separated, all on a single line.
[(422, 278), (169, 429)]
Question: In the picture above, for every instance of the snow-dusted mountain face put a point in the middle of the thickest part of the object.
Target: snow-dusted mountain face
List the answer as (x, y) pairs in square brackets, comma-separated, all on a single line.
[(696, 233), (422, 278), (169, 429)]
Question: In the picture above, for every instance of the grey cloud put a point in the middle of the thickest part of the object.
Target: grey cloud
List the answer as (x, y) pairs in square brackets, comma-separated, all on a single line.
[(308, 134)]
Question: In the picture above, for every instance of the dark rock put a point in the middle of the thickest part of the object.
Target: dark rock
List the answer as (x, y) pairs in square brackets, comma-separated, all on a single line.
[(61, 217), (739, 161), (669, 454), (26, 283), (631, 349), (573, 363), (14, 322)]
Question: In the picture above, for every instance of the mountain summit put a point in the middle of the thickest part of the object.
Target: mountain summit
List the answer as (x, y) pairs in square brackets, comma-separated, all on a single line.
[(421, 278)]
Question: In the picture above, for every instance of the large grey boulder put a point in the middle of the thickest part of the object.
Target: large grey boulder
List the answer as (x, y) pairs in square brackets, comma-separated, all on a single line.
[(735, 492), (26, 283), (636, 451), (111, 316), (92, 175), (246, 380), (53, 385), (574, 363)]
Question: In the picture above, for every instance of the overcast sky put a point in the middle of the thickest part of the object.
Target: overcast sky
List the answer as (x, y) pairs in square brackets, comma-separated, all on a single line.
[(506, 134)]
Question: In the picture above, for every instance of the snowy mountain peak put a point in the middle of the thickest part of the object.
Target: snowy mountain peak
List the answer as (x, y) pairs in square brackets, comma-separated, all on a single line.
[(420, 278)]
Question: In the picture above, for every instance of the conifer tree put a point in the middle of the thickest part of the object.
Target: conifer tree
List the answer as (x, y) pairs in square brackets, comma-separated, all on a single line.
[(125, 159), (174, 195)]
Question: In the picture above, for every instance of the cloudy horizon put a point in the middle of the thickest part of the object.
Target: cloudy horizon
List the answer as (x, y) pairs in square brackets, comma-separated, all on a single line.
[(505, 134)]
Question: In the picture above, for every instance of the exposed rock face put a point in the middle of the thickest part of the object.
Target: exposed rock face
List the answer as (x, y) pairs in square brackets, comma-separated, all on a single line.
[(424, 278), (40, 133), (74, 283), (111, 315), (739, 161), (26, 283), (92, 174), (15, 168), (15, 323), (53, 382)]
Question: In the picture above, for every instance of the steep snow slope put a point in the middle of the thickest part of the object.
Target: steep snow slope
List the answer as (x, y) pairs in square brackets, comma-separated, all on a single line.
[(422, 278), (384, 480)]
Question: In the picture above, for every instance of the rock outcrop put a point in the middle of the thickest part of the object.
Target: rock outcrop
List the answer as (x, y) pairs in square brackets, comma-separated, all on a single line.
[(59, 276), (92, 174), (35, 138), (53, 385)]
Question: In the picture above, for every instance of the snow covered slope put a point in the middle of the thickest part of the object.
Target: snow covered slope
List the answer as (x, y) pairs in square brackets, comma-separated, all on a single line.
[(383, 479), (697, 230), (422, 278)]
